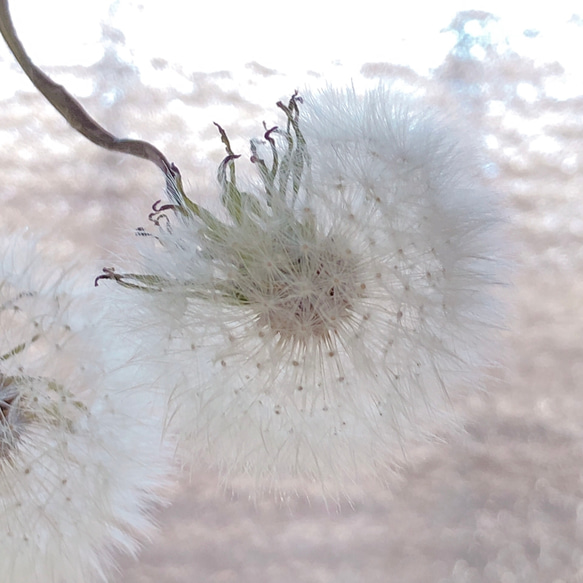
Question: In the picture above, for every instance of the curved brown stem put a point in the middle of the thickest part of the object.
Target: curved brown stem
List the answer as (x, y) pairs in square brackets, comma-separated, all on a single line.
[(70, 108)]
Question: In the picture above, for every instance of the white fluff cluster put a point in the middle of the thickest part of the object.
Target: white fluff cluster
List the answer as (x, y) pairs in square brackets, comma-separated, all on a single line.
[(342, 299), (81, 462)]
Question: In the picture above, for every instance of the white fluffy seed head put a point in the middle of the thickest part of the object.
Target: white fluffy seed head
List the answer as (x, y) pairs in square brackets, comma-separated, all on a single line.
[(80, 459), (319, 334)]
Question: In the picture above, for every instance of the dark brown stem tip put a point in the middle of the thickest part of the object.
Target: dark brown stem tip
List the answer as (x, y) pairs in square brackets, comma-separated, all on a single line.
[(108, 273)]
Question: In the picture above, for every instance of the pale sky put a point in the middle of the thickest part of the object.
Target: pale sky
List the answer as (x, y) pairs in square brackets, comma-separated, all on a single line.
[(294, 37)]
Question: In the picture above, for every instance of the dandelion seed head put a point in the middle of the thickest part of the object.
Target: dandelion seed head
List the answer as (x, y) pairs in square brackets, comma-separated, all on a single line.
[(80, 459), (335, 311)]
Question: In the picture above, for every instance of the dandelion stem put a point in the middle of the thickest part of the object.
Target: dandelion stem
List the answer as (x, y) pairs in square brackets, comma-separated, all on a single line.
[(81, 121)]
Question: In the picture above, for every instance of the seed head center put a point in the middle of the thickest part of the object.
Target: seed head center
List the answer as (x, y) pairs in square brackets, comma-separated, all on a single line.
[(307, 295)]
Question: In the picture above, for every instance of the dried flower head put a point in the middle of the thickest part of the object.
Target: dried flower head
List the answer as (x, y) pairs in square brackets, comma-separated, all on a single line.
[(319, 323)]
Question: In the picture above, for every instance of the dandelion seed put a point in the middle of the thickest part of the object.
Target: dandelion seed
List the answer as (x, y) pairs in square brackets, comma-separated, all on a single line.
[(339, 301)]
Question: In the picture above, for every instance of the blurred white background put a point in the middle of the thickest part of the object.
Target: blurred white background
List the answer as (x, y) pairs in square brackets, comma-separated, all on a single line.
[(503, 504)]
